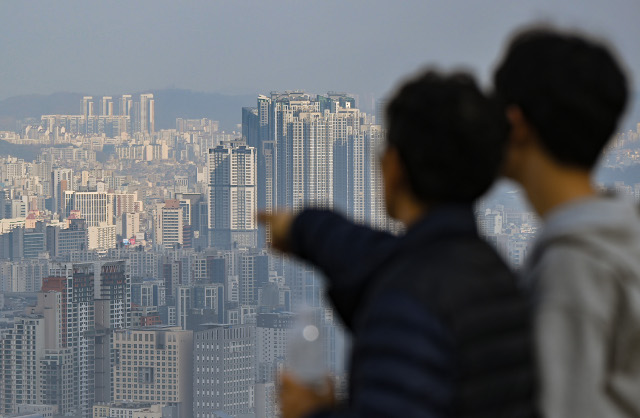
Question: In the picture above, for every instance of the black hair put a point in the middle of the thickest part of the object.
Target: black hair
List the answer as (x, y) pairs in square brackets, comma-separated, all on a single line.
[(449, 135), (569, 88)]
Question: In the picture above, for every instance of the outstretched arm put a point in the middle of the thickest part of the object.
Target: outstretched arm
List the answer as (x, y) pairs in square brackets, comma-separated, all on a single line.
[(345, 252)]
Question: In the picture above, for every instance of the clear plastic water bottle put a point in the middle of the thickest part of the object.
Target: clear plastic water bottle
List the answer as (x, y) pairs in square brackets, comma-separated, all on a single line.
[(305, 359)]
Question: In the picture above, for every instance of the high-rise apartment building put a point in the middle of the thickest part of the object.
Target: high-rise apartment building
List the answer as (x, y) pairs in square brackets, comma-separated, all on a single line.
[(114, 289), (21, 349), (224, 370), (303, 150), (253, 273), (232, 196), (106, 106), (87, 107), (61, 182), (57, 380), (272, 332), (146, 114), (154, 365), (169, 224), (35, 367), (126, 105), (75, 283), (316, 150), (183, 305), (112, 312)]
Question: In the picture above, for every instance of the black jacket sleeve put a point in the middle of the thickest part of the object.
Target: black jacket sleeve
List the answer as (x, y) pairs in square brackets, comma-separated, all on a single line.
[(346, 253)]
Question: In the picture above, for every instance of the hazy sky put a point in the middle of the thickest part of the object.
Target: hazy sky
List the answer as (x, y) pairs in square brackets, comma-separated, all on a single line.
[(227, 46)]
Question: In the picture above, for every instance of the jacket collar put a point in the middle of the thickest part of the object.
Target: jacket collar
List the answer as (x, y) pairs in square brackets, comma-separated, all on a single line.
[(440, 221)]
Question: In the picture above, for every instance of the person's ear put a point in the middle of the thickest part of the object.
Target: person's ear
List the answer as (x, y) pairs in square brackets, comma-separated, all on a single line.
[(392, 174), (392, 168), (516, 144), (520, 131)]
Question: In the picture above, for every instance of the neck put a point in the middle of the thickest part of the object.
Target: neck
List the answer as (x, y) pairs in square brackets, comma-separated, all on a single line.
[(410, 211), (554, 185)]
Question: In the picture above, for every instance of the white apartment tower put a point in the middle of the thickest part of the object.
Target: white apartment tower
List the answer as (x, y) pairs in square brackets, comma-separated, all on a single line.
[(147, 114), (232, 196), (106, 106), (169, 224), (317, 150), (88, 107), (126, 105)]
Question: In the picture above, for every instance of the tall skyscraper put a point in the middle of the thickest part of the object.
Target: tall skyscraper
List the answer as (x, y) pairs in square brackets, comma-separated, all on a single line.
[(183, 305), (112, 312), (253, 274), (258, 135), (61, 181), (126, 105), (88, 107), (106, 106), (147, 115), (315, 151), (232, 196)]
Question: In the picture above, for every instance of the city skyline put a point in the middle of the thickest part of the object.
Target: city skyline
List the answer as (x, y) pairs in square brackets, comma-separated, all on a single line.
[(135, 280)]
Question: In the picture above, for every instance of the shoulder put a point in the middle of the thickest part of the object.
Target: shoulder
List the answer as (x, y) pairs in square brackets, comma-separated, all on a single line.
[(568, 265), (569, 277), (454, 274)]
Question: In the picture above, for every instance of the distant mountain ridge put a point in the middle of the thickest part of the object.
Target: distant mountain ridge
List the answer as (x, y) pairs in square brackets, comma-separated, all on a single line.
[(178, 103), (169, 105)]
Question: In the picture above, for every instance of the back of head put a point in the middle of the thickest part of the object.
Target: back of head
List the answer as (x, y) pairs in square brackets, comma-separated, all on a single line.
[(570, 89), (449, 135)]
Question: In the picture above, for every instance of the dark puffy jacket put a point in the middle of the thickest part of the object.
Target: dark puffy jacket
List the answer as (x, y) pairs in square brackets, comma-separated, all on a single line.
[(440, 327)]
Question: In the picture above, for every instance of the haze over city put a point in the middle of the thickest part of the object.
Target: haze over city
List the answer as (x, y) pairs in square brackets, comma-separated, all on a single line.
[(243, 47)]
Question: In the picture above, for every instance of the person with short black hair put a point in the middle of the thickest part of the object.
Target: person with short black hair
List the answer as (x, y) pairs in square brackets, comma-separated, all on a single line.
[(440, 327), (563, 95)]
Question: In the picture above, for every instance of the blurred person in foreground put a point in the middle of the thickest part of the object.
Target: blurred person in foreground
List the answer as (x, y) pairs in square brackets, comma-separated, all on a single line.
[(439, 327), (563, 95)]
